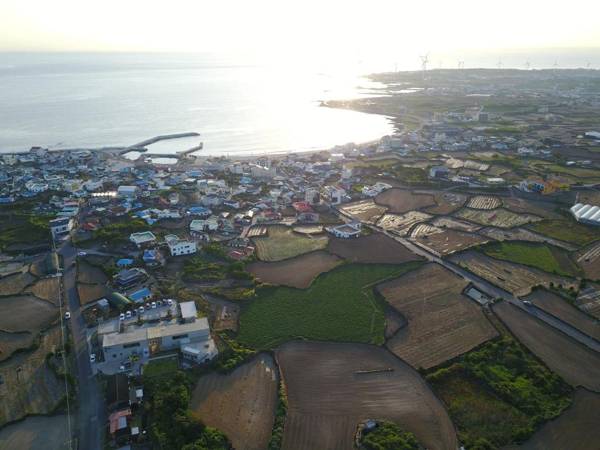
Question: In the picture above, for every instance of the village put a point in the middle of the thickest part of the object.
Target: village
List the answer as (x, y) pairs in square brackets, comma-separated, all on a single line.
[(449, 239)]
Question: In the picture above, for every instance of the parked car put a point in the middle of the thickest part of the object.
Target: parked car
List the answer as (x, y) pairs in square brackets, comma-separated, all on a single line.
[(141, 309), (67, 315), (170, 302), (121, 316), (93, 358), (128, 314), (153, 305), (81, 253)]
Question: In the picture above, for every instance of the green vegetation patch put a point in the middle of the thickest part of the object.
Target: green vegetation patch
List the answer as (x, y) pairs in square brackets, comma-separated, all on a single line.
[(499, 394), (338, 306), (566, 230), (389, 436), (170, 423), (542, 256), (283, 243), (160, 367), (23, 229), (120, 231)]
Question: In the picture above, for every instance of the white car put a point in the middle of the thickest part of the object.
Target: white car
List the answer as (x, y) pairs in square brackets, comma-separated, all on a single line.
[(93, 358), (153, 305), (121, 316), (170, 302), (81, 253), (67, 315), (128, 314)]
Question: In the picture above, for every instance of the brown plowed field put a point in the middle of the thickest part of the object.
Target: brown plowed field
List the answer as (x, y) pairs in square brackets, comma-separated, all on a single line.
[(328, 397), (588, 300), (501, 218), (91, 292), (26, 313), (589, 260), (86, 273), (296, 272), (442, 323), (14, 284), (364, 211), (447, 202), (11, 342), (451, 241), (47, 289), (401, 200), (578, 365), (36, 433), (575, 429), (559, 307), (240, 404), (514, 278), (522, 234), (373, 249)]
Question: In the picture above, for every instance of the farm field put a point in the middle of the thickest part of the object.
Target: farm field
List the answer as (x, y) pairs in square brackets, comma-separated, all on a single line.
[(14, 284), (424, 229), (514, 278), (27, 313), (282, 243), (90, 292), (364, 211), (575, 429), (451, 241), (46, 289), (566, 230), (332, 387), (87, 273), (240, 404), (29, 385), (522, 234), (399, 201), (296, 272), (588, 300), (542, 209), (589, 260), (11, 342), (376, 248), (446, 202), (338, 306), (561, 308), (36, 433), (401, 224), (442, 323), (501, 218), (484, 202), (542, 256), (578, 365), (454, 224)]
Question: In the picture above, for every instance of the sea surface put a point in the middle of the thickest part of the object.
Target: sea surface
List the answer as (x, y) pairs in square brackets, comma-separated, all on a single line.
[(239, 105), (97, 100)]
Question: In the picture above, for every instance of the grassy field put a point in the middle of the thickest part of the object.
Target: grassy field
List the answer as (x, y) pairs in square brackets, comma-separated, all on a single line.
[(338, 306), (499, 394), (160, 367), (541, 256), (566, 230), (283, 243)]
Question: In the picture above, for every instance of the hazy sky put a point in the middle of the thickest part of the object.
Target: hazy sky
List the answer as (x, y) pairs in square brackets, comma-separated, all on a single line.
[(302, 26)]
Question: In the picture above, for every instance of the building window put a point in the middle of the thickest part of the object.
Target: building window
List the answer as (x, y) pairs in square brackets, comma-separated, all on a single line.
[(180, 336)]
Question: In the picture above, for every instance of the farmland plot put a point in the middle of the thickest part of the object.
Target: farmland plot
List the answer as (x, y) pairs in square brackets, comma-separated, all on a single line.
[(442, 323), (424, 229), (501, 218), (332, 387), (376, 248), (522, 234), (401, 224), (89, 293), (542, 209), (86, 273), (589, 260), (240, 404), (451, 241), (47, 289), (588, 300), (36, 433), (282, 242), (454, 224), (578, 365), (26, 313), (14, 284), (561, 308), (11, 342), (447, 202), (484, 202), (399, 201), (296, 272), (514, 278), (364, 211), (575, 429)]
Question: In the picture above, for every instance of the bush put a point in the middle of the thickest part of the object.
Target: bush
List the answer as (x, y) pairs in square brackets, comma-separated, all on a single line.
[(389, 436)]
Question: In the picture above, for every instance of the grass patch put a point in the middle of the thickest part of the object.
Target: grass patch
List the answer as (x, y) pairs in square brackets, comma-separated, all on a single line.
[(566, 230), (541, 256), (338, 306), (23, 229), (499, 394), (283, 243), (389, 436), (161, 367)]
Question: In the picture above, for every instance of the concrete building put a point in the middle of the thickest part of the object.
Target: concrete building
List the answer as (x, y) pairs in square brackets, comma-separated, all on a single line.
[(588, 214), (127, 191), (142, 238), (346, 231), (179, 246), (61, 225)]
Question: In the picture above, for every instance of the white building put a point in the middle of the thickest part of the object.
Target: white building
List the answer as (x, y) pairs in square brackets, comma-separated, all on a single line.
[(588, 214), (311, 196), (376, 189), (179, 247), (36, 186), (333, 194), (202, 225), (61, 225), (346, 231), (127, 191), (143, 238)]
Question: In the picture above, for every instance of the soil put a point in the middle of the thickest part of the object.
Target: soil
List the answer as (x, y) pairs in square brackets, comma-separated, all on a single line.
[(373, 249), (399, 201), (26, 313), (36, 433)]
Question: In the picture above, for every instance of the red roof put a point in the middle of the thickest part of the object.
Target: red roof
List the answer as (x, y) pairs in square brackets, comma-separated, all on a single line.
[(114, 419), (302, 207)]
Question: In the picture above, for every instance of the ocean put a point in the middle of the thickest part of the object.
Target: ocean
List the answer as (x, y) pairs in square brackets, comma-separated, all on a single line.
[(239, 105)]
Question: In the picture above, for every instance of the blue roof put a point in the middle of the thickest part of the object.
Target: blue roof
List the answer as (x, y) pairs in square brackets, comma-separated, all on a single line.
[(149, 255), (124, 262), (141, 294)]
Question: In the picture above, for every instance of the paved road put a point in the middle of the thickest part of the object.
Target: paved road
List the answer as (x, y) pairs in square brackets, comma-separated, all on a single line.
[(494, 291), (91, 414)]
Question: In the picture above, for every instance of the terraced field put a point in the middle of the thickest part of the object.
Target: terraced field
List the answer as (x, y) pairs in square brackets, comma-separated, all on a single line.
[(589, 260), (364, 211), (451, 241), (501, 218), (484, 202), (401, 224)]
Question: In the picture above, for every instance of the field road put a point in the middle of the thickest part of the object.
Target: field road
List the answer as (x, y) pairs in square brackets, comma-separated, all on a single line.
[(492, 290), (91, 420)]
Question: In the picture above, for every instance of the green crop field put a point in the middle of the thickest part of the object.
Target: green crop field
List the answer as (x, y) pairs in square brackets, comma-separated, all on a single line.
[(338, 306), (541, 256), (566, 230), (282, 243)]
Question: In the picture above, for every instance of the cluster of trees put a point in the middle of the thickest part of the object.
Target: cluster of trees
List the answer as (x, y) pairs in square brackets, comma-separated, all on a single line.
[(120, 231), (280, 413), (171, 424), (198, 268), (389, 436)]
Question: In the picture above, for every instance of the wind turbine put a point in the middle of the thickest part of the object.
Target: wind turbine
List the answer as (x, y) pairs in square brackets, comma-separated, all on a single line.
[(424, 61)]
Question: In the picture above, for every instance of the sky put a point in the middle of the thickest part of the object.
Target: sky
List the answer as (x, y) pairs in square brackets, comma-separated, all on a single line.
[(296, 27)]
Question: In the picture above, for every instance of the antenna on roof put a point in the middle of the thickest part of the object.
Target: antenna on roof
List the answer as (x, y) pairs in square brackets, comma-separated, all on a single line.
[(424, 61)]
